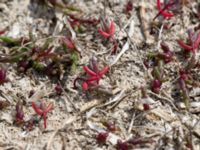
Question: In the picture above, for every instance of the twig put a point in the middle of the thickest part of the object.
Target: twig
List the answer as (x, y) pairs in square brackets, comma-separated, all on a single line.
[(131, 124), (143, 21), (163, 98)]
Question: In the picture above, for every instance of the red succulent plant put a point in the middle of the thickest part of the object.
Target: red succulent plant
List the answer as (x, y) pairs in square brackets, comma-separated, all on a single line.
[(193, 42), (108, 28), (168, 8), (102, 136), (93, 75), (42, 110)]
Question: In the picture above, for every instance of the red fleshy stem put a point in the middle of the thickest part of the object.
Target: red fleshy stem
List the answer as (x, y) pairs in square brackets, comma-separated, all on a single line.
[(162, 11), (194, 43), (89, 71), (103, 71), (109, 32), (186, 47), (42, 111), (68, 43)]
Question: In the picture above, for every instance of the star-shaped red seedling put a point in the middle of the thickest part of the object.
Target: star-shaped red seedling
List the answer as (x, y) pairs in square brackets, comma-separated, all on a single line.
[(93, 75), (163, 11), (108, 29), (42, 111), (194, 41), (168, 8)]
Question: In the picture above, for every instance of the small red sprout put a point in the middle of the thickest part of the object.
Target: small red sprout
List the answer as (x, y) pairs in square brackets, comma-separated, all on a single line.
[(167, 56), (156, 85), (128, 7), (108, 29), (19, 115), (168, 8), (122, 145), (146, 106), (101, 137), (194, 41), (93, 75), (3, 76), (163, 10), (42, 111), (58, 89)]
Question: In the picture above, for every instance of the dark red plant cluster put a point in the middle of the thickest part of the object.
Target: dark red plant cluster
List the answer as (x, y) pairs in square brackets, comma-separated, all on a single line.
[(169, 8), (193, 42), (93, 75), (128, 7), (185, 73), (45, 59), (107, 31), (157, 62), (101, 137), (132, 143), (28, 125)]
